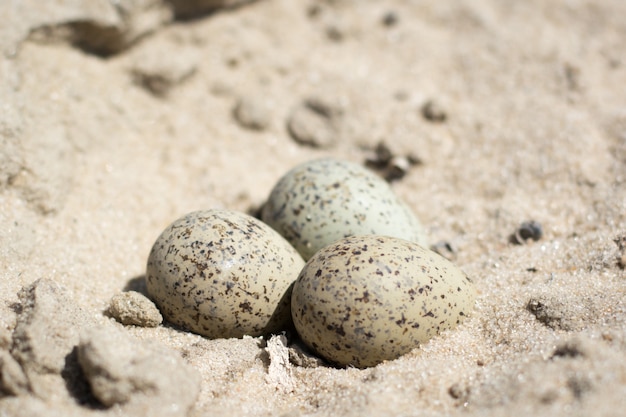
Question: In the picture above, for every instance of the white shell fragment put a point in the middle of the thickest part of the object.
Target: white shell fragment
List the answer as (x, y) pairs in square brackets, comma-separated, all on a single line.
[(321, 201), (222, 274), (367, 299)]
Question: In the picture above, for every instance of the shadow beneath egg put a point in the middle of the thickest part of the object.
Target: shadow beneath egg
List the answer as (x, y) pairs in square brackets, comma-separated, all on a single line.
[(280, 320), (256, 211), (280, 323), (137, 284)]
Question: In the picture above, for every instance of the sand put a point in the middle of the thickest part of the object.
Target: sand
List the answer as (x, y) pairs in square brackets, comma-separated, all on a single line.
[(116, 120)]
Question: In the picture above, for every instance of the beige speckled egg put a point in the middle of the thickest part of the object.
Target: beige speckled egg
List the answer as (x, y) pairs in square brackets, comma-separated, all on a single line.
[(222, 274), (367, 299), (321, 201)]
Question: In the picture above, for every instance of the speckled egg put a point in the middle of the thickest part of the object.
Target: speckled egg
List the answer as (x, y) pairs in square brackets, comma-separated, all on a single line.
[(324, 200), (222, 274), (367, 299)]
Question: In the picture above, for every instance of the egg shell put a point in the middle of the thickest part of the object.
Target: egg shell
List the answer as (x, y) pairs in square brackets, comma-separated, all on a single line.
[(367, 299), (324, 200), (223, 274)]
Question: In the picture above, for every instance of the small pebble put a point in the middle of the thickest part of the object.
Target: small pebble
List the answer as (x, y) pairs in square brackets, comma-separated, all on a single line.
[(459, 392), (133, 308), (325, 106), (527, 231), (252, 113), (314, 10), (222, 89), (160, 76), (383, 155), (397, 168), (315, 123), (335, 33), (222, 274), (390, 166), (433, 112), (620, 241), (390, 19), (572, 348), (401, 95), (444, 249), (554, 312), (321, 201), (367, 299)]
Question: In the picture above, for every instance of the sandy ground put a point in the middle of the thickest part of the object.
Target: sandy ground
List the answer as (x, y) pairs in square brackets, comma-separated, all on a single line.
[(103, 143)]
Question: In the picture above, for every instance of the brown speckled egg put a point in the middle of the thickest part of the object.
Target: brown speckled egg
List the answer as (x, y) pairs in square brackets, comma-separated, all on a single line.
[(367, 299), (222, 274), (321, 201)]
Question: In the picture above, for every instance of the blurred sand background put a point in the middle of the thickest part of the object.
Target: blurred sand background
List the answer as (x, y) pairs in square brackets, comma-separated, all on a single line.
[(118, 117)]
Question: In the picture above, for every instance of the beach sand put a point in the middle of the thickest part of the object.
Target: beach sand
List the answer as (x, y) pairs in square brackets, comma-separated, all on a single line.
[(117, 120)]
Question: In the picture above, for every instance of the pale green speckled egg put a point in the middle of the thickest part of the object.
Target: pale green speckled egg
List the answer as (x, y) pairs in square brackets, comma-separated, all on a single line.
[(221, 274), (367, 299), (321, 201)]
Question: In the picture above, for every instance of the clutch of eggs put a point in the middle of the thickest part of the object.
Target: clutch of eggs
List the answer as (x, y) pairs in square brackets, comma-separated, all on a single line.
[(369, 292)]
